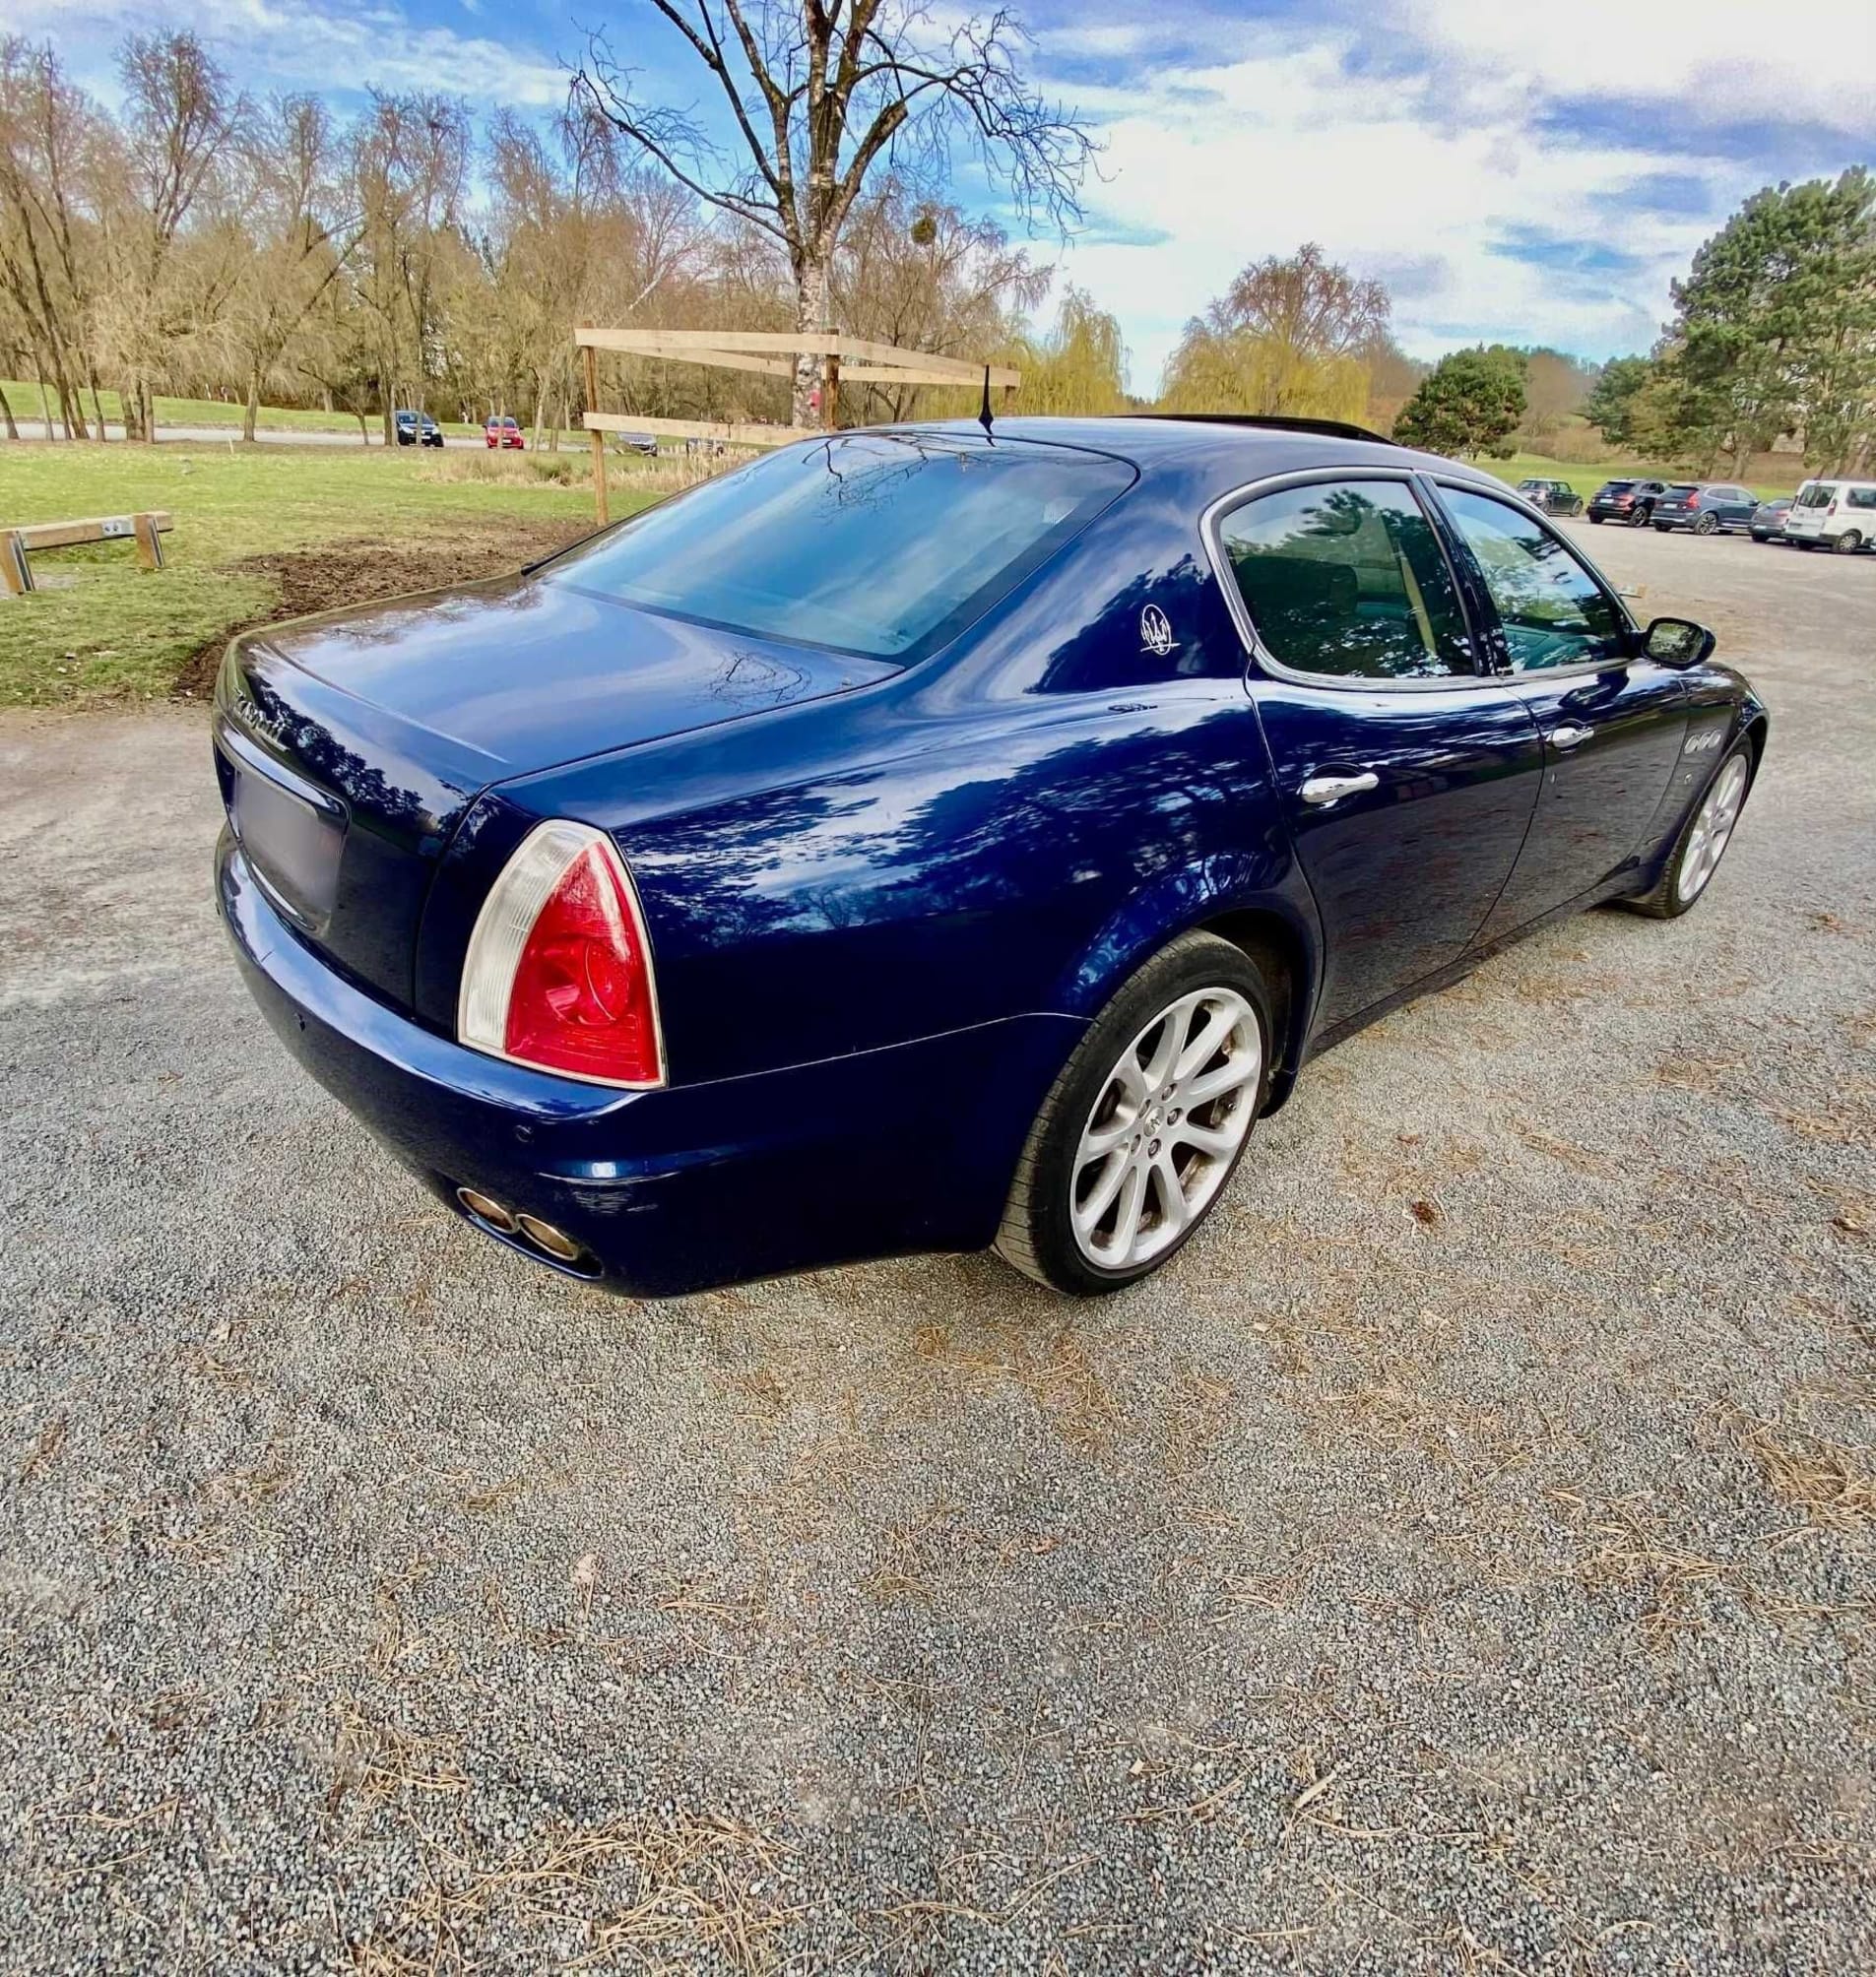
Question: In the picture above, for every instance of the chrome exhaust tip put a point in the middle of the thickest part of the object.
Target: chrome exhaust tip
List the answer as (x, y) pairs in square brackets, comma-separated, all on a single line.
[(556, 1242), (485, 1210)]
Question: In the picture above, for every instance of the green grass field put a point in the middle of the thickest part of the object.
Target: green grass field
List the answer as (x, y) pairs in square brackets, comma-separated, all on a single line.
[(99, 627), (24, 397)]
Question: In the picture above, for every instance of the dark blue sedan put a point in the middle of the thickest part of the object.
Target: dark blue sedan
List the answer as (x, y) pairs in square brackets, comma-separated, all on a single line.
[(922, 839)]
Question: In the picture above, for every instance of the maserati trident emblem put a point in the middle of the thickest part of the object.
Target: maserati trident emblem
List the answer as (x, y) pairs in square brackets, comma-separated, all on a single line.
[(1156, 634)]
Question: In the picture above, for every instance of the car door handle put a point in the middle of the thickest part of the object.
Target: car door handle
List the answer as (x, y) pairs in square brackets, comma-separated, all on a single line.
[(1332, 789), (1569, 736)]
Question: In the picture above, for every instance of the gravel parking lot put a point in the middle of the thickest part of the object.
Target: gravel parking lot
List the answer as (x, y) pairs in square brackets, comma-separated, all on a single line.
[(1459, 1559)]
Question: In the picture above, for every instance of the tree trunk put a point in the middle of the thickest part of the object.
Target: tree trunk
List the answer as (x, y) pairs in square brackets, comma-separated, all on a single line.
[(45, 403), (250, 416), (810, 314), (97, 402), (540, 406), (146, 410), (6, 412)]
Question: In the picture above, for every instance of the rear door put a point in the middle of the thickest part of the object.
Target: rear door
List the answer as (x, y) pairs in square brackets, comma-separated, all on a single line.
[(1406, 776), (1612, 720)]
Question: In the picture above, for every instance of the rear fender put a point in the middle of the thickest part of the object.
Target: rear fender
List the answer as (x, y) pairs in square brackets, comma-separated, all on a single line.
[(1236, 886)]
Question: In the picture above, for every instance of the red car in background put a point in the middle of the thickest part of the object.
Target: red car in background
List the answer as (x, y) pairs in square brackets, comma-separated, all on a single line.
[(501, 430)]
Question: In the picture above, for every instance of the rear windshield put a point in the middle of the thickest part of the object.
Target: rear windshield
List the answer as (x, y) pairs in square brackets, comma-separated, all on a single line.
[(1815, 494), (885, 544), (1617, 486)]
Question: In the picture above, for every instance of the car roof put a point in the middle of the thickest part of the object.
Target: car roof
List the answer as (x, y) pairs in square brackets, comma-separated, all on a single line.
[(1219, 454)]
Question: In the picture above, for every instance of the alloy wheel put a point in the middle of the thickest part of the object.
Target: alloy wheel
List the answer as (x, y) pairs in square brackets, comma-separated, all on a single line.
[(1712, 830), (1165, 1129), (1848, 543)]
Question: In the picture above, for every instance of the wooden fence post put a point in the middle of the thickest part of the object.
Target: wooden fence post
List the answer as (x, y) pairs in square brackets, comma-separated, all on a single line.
[(602, 513), (15, 571), (148, 543)]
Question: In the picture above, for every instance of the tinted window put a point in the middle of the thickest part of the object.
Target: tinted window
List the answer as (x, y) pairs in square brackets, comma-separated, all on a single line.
[(1348, 579), (1554, 612), (1860, 497), (878, 543), (1815, 494)]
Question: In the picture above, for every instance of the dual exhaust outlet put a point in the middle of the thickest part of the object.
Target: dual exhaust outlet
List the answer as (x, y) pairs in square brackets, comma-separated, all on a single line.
[(529, 1229)]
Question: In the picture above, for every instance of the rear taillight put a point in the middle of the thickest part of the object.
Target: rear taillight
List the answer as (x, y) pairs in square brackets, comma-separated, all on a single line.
[(558, 971), (1831, 509), (1693, 501)]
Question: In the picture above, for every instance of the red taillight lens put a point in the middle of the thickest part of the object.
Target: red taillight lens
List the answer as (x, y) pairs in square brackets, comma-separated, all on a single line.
[(558, 970), (1693, 500)]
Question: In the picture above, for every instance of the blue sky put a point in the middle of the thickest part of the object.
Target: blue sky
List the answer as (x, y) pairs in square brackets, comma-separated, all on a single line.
[(1535, 170)]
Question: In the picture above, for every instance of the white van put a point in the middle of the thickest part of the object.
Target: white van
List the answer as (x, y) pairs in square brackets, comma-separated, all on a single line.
[(1840, 514)]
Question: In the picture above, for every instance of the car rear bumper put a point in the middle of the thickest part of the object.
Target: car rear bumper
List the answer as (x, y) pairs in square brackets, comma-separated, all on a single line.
[(882, 1153)]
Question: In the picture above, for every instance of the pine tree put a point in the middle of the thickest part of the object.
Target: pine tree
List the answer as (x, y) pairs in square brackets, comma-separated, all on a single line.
[(1469, 402)]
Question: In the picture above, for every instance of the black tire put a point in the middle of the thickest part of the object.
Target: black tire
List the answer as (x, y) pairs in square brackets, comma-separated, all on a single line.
[(1037, 1237), (1848, 543), (1664, 902), (1598, 520), (1642, 515), (1575, 508), (1663, 528), (1707, 524)]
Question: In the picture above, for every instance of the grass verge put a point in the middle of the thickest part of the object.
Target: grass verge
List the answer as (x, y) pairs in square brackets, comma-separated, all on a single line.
[(258, 534)]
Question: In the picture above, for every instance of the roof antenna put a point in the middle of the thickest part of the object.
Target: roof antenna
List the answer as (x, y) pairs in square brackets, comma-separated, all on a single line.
[(984, 418)]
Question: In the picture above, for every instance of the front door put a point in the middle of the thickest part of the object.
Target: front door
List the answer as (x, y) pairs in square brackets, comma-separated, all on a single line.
[(1407, 777), (1612, 720)]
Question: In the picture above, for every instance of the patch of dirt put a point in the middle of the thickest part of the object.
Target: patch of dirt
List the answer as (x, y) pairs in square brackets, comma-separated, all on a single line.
[(358, 572)]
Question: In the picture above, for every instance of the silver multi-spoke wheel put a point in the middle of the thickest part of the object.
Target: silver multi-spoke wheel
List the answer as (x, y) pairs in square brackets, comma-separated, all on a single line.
[(1712, 828), (1164, 1131)]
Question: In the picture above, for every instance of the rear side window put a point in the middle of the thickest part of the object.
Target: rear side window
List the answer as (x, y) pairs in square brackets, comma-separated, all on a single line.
[(1815, 494), (880, 544), (1347, 580), (1554, 612), (1861, 497)]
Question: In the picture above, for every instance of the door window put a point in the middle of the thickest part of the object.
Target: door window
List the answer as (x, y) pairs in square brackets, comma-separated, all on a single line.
[(1347, 580), (1554, 612)]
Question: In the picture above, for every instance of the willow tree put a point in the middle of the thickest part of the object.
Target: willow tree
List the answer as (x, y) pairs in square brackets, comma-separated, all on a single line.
[(821, 94)]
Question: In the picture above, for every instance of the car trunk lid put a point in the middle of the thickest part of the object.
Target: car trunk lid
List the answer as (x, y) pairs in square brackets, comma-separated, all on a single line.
[(351, 744)]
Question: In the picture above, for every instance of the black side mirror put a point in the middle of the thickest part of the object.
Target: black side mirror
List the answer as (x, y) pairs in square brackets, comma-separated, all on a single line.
[(1678, 642)]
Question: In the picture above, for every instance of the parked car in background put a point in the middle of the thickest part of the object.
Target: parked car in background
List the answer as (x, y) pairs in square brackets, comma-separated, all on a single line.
[(1630, 501), (416, 428), (1832, 515), (643, 443), (920, 841), (1768, 519), (1705, 506), (501, 430), (1554, 497)]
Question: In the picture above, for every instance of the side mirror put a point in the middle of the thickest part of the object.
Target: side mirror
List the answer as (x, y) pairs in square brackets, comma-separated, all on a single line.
[(1678, 642)]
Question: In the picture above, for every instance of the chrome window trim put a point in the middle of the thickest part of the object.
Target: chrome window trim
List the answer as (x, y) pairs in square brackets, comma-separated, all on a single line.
[(1260, 653)]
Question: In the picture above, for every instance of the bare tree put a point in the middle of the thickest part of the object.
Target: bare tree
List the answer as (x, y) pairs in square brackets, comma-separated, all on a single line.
[(301, 239), (184, 122), (48, 129), (822, 92), (409, 166)]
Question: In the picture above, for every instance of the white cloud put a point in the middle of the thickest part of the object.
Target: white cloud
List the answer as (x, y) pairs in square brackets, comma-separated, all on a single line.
[(1416, 169), (285, 46)]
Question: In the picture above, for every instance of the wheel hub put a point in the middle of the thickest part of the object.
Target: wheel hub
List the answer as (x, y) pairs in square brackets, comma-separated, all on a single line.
[(1166, 1128)]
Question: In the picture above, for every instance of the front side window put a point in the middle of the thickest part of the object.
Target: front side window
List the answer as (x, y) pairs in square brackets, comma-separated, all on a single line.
[(1554, 612), (879, 544), (1346, 579)]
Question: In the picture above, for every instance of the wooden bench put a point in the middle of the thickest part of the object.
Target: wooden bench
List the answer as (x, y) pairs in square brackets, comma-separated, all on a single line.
[(146, 531)]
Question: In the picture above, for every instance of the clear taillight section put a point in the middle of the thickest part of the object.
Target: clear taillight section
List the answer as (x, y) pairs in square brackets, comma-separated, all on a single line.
[(558, 971)]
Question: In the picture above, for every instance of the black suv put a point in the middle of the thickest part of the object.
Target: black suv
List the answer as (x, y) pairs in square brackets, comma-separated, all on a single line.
[(416, 428), (1630, 501), (1554, 497)]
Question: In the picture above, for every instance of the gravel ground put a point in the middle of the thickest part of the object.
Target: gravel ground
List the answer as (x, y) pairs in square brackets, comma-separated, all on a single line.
[(1459, 1559)]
